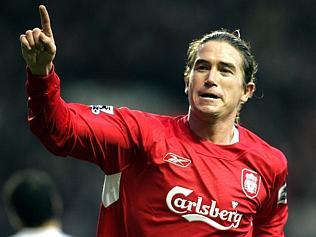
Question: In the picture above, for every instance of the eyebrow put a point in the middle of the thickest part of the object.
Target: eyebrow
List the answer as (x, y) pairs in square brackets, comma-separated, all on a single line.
[(201, 61), (222, 64), (229, 65)]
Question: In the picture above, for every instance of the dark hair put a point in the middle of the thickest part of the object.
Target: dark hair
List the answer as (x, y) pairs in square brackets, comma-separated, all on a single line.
[(250, 66), (32, 196)]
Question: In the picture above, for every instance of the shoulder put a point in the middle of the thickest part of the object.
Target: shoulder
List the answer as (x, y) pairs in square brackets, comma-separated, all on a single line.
[(150, 128), (147, 117), (268, 155), (123, 113)]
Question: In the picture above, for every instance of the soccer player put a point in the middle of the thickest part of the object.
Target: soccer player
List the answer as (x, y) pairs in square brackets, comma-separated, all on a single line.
[(200, 174), (33, 204)]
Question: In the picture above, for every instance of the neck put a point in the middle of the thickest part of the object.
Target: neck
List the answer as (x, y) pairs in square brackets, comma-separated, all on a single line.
[(219, 131)]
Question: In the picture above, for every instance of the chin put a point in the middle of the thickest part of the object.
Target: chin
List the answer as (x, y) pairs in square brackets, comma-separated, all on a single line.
[(207, 113), (209, 109)]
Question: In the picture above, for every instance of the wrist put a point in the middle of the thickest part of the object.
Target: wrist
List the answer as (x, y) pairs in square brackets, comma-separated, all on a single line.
[(41, 71)]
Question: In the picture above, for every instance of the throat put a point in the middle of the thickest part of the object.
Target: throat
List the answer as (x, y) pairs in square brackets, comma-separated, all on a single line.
[(217, 133)]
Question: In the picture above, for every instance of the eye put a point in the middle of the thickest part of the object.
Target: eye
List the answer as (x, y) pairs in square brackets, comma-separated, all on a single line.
[(226, 71), (201, 68)]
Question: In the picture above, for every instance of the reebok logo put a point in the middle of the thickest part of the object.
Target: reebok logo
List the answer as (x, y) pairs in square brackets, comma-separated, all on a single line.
[(178, 201), (177, 160)]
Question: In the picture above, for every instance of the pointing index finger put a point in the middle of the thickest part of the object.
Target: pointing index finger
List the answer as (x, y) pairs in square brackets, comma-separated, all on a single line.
[(45, 21)]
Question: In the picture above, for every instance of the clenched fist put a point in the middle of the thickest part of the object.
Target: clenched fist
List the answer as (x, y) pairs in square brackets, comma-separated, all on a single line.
[(38, 46)]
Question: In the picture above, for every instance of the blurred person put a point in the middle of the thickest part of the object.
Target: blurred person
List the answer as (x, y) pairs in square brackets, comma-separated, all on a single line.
[(33, 204), (200, 174)]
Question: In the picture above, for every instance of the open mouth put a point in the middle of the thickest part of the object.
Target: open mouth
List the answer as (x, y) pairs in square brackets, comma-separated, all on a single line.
[(209, 96)]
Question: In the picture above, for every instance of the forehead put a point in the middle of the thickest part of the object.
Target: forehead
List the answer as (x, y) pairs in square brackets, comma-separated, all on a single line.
[(220, 51)]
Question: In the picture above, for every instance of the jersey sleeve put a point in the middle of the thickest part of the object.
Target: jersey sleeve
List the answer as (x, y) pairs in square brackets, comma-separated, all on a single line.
[(106, 136), (271, 218)]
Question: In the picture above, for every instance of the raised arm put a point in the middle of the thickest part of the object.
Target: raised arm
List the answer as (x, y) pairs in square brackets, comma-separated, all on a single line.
[(99, 134), (38, 46)]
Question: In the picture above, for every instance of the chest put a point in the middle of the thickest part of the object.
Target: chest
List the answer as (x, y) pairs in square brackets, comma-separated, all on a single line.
[(214, 189), (216, 178)]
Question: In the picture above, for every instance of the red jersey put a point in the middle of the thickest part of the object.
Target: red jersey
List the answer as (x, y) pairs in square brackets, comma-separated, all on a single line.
[(160, 178)]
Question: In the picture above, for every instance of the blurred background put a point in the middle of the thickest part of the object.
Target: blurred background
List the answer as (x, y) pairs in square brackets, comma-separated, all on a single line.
[(132, 53)]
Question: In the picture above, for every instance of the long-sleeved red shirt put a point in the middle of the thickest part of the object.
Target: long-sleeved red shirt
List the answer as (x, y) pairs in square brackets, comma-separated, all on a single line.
[(160, 178)]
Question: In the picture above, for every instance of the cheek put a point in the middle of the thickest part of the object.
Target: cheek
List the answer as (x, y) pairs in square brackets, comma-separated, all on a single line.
[(234, 93), (192, 87), (238, 95), (192, 93)]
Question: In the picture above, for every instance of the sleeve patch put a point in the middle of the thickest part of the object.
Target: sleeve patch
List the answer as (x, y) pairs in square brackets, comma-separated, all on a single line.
[(282, 195), (97, 109)]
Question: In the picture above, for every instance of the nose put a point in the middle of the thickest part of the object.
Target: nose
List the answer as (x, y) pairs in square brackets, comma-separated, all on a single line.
[(210, 79)]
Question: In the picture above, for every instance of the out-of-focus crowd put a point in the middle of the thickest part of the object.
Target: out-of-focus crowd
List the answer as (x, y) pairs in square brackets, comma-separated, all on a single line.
[(132, 53)]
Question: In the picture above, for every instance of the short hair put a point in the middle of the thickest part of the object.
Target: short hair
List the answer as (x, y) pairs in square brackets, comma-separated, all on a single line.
[(250, 67), (32, 196)]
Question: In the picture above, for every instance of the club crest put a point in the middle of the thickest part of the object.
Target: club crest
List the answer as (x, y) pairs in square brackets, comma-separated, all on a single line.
[(250, 182)]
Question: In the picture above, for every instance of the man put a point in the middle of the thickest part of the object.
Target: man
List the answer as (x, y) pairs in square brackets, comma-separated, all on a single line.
[(195, 175), (33, 205)]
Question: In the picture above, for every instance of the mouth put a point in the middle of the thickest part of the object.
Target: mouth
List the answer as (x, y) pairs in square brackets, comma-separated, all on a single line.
[(210, 96)]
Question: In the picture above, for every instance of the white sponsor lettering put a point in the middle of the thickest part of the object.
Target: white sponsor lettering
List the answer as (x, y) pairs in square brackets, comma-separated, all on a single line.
[(197, 211), (234, 204)]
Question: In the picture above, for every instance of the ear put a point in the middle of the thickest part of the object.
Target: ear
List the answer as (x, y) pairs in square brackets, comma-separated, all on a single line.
[(248, 92)]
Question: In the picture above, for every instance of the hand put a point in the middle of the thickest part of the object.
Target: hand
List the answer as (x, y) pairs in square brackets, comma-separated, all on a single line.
[(38, 46)]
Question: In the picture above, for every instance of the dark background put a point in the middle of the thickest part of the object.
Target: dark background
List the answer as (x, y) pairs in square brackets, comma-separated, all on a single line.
[(133, 53)]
